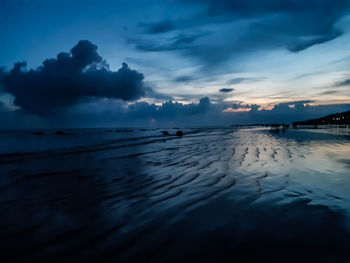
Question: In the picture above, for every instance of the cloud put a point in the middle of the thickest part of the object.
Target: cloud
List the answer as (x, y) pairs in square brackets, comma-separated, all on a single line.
[(240, 27), (235, 81), (283, 113), (177, 42), (295, 102), (140, 61), (328, 92), (344, 83), (150, 93), (184, 78), (239, 113), (112, 113), (206, 113), (170, 113), (68, 79), (302, 44), (168, 25), (225, 90), (241, 107), (169, 109), (258, 7), (159, 27)]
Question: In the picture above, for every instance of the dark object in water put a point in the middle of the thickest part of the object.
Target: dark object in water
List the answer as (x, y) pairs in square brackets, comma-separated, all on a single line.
[(124, 130), (108, 131), (179, 133), (39, 133), (165, 132), (61, 133)]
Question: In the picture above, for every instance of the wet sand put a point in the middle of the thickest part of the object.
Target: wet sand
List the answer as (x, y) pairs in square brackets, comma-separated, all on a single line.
[(211, 195)]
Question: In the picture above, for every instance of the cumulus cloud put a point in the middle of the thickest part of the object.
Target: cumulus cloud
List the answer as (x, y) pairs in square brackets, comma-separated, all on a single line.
[(240, 105), (301, 111), (169, 109), (239, 113), (206, 113), (68, 79), (112, 113), (107, 112)]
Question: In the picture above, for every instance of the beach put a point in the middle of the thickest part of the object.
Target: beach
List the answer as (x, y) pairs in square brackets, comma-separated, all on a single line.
[(140, 195)]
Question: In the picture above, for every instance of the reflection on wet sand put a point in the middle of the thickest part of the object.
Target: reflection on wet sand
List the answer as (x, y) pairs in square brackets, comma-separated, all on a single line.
[(214, 195)]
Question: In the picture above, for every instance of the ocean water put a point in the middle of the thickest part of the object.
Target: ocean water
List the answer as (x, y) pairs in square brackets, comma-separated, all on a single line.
[(211, 195)]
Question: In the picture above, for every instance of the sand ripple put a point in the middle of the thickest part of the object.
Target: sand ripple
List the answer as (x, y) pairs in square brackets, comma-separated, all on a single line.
[(154, 196)]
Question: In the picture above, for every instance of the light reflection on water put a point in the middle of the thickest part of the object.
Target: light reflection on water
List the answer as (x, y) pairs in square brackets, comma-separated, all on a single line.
[(314, 165)]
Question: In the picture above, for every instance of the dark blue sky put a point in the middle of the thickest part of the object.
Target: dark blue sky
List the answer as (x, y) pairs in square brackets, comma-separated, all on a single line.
[(251, 61)]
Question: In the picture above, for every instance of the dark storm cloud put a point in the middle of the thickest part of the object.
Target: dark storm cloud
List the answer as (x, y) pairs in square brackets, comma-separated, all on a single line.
[(225, 90), (68, 79), (239, 27)]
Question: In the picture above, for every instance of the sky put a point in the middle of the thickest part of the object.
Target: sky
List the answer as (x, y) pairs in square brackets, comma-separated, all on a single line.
[(97, 63)]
